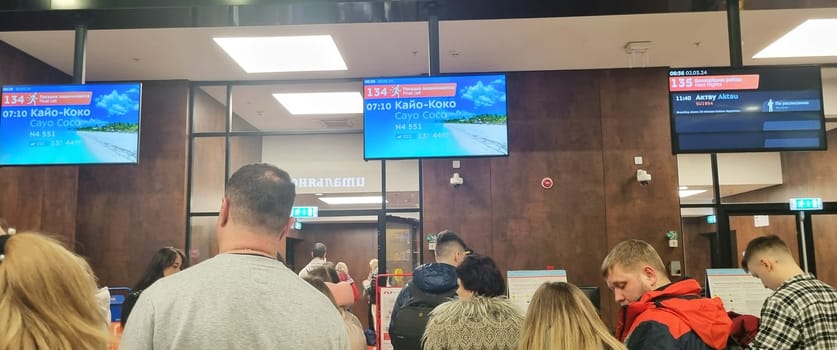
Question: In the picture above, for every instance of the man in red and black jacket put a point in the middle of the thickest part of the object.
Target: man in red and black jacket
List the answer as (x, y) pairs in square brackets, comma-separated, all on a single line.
[(657, 313)]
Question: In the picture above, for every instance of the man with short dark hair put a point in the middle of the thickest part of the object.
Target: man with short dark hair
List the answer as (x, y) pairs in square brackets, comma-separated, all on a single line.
[(656, 312), (801, 314), (318, 258), (243, 298), (434, 279)]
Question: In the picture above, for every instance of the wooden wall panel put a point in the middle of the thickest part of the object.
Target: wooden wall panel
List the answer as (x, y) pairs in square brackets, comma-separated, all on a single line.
[(126, 213), (696, 247), (36, 198), (635, 122), (208, 114), (804, 174), (60, 190), (352, 243), (207, 173), (551, 135), (807, 174), (825, 244), (466, 209), (20, 68), (21, 190), (581, 128), (745, 229)]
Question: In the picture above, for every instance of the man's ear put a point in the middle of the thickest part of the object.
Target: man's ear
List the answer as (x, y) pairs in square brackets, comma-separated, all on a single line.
[(767, 263), (650, 275), (287, 229), (224, 213)]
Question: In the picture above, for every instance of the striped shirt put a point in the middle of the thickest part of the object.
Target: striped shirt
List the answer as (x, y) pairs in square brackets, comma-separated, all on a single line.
[(800, 315)]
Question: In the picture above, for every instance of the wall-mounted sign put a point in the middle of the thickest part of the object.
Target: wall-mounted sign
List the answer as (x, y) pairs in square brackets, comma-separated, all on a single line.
[(547, 183), (761, 221), (304, 212), (806, 204), (523, 283), (329, 182), (431, 241)]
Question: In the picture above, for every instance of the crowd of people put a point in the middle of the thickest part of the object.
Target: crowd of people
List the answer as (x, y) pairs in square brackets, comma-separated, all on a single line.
[(247, 298)]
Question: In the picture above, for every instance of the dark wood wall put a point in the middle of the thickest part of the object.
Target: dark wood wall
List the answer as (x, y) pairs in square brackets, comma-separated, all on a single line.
[(697, 247), (352, 243), (808, 174), (126, 213), (36, 198), (582, 129), (745, 229), (116, 216)]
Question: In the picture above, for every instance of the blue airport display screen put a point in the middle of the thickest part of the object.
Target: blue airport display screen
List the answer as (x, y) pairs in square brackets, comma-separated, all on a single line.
[(70, 124), (747, 109), (432, 117)]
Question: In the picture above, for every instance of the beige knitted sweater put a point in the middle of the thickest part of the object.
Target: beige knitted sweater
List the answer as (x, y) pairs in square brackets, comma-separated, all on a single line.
[(476, 323)]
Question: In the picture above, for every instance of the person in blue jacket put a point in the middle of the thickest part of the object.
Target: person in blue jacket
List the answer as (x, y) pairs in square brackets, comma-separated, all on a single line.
[(436, 279)]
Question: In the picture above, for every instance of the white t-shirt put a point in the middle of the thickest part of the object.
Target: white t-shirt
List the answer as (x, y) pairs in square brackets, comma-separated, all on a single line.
[(234, 301)]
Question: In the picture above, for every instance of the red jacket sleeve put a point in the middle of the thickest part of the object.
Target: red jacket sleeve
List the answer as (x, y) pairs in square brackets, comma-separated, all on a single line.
[(355, 291)]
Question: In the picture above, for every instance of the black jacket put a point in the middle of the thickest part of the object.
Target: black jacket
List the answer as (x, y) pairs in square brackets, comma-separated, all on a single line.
[(434, 278)]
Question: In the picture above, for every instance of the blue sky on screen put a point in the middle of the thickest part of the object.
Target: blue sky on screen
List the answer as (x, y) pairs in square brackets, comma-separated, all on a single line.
[(119, 104), (484, 95)]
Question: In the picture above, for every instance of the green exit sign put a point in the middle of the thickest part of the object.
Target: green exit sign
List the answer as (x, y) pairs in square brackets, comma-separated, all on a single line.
[(806, 204), (304, 212)]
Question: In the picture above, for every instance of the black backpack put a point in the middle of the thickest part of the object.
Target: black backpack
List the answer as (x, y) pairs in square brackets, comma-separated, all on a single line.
[(411, 319)]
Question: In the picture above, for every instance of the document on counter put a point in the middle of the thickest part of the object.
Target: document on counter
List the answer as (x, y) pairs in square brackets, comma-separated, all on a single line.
[(741, 292), (524, 283)]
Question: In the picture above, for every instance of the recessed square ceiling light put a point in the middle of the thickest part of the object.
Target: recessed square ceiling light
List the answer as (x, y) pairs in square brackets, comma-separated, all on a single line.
[(813, 38), (689, 193), (284, 53), (321, 102), (352, 200)]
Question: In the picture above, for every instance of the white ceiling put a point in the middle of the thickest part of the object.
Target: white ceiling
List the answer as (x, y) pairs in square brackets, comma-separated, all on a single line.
[(400, 49)]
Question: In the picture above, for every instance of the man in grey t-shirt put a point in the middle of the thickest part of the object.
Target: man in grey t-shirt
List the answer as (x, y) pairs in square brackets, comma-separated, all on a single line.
[(242, 298)]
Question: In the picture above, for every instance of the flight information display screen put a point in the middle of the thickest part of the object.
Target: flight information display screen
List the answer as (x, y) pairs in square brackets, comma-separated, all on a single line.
[(70, 124), (434, 117), (716, 110)]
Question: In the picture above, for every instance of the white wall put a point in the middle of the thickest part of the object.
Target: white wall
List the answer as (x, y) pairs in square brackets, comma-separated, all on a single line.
[(733, 169), (335, 156), (829, 95)]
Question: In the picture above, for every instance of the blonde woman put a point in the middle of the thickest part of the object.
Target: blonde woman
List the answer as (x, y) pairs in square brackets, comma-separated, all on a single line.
[(47, 297), (370, 285), (561, 317), (343, 276)]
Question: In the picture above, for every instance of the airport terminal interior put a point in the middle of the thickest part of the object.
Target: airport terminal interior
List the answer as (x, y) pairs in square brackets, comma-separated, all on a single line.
[(589, 159)]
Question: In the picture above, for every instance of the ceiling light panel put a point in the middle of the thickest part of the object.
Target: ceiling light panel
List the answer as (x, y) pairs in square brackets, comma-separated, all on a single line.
[(351, 200), (321, 102), (284, 53), (812, 38), (689, 193)]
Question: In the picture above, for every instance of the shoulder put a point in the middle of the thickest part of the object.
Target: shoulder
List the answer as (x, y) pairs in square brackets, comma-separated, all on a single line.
[(655, 320), (501, 307)]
